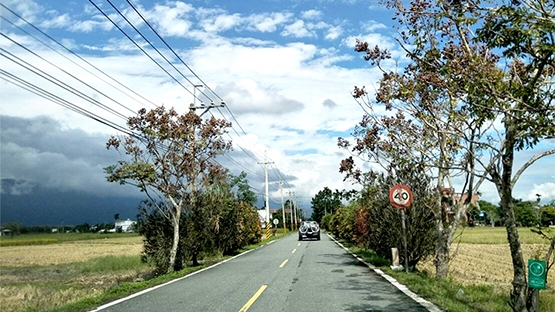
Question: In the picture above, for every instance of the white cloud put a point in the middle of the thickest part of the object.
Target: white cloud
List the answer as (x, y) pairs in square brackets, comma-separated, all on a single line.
[(28, 9), (373, 39), (311, 14), (329, 103), (220, 22), (546, 190), (58, 21), (333, 33), (291, 97), (268, 22), (372, 26), (90, 25), (298, 30), (173, 19)]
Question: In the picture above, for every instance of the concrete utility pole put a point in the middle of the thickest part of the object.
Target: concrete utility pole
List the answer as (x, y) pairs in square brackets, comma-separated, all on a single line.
[(193, 107), (295, 205), (293, 210), (282, 208), (267, 195)]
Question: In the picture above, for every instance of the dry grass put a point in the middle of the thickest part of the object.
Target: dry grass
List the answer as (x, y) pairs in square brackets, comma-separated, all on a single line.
[(45, 276), (69, 252), (487, 264)]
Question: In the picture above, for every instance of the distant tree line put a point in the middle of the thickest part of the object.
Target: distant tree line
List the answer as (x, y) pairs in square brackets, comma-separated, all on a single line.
[(19, 228)]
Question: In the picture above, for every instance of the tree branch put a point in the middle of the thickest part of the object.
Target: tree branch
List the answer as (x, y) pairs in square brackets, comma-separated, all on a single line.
[(529, 163)]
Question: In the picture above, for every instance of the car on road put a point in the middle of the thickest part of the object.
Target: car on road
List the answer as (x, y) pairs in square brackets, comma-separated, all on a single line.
[(309, 229)]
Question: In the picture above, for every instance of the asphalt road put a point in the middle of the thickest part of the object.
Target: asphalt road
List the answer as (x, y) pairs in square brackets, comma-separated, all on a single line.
[(286, 275)]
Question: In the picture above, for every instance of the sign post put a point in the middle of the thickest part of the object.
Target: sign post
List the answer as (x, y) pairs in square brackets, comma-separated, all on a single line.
[(400, 196), (276, 222)]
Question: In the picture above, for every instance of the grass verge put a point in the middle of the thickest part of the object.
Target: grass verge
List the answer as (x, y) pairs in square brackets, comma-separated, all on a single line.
[(449, 294)]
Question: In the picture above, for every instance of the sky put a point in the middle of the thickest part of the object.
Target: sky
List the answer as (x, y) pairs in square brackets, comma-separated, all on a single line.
[(285, 70)]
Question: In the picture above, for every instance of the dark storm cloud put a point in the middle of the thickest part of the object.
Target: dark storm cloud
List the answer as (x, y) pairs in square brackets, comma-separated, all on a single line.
[(39, 151), (48, 172)]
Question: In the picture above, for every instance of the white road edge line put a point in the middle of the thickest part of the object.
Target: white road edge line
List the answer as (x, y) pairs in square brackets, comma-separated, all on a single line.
[(102, 307), (423, 302)]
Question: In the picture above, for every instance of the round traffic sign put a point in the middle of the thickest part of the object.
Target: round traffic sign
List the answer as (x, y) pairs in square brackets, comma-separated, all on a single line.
[(400, 196), (537, 269), (276, 221)]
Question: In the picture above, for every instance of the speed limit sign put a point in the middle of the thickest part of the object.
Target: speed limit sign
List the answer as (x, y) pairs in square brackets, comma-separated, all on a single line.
[(400, 196)]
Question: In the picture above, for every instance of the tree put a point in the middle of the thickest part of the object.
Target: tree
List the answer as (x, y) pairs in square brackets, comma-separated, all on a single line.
[(169, 158), (492, 212), (324, 202), (450, 46), (524, 213), (157, 231), (547, 215), (243, 191)]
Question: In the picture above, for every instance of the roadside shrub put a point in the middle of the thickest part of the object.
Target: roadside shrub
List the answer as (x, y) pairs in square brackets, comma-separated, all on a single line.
[(158, 237), (372, 222), (327, 222), (239, 227), (385, 221)]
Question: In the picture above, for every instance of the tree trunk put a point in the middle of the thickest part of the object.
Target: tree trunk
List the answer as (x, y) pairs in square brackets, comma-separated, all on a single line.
[(175, 244), (518, 294), (441, 260), (520, 289)]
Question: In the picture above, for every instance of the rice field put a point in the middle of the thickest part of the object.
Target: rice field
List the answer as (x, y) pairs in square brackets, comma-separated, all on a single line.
[(42, 277), (69, 252)]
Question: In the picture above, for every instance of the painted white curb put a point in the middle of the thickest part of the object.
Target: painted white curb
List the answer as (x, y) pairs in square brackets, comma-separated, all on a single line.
[(423, 302)]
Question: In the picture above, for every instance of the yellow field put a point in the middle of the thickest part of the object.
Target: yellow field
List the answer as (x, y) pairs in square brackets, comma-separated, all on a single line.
[(44, 276), (487, 264), (69, 252)]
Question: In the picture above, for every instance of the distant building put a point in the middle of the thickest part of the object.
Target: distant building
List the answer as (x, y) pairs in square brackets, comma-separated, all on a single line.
[(449, 198), (262, 216), (127, 226)]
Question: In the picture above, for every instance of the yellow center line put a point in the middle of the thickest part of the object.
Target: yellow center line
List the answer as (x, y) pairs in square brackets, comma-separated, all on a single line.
[(294, 250), (298, 244), (253, 298), (283, 263)]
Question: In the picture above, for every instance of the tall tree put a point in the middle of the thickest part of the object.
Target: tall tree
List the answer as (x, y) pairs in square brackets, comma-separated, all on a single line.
[(169, 158), (243, 191), (324, 202), (450, 46)]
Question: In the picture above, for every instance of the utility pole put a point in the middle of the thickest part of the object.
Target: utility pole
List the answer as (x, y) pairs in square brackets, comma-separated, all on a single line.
[(265, 163), (282, 208), (293, 210), (295, 202), (192, 138)]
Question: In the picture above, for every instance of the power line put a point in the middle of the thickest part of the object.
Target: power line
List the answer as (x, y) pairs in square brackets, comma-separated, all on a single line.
[(57, 82), (9, 77), (73, 53), (139, 47), (67, 73)]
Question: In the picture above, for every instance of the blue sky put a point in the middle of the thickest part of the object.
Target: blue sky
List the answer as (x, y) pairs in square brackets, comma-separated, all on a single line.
[(285, 69)]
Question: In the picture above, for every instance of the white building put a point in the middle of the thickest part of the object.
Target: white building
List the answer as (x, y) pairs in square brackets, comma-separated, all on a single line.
[(126, 226)]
